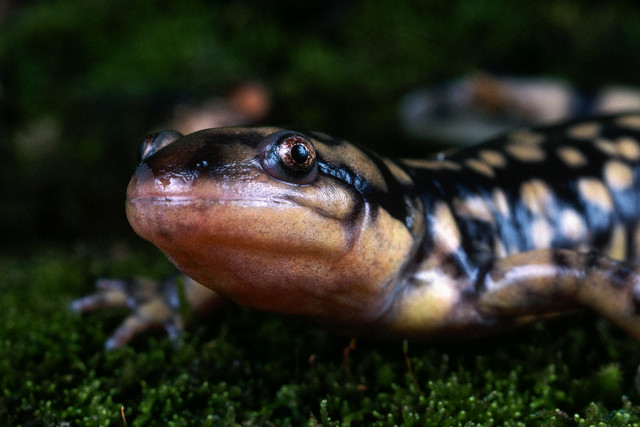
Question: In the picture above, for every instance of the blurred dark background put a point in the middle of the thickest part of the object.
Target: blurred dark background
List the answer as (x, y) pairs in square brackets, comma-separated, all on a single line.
[(82, 82)]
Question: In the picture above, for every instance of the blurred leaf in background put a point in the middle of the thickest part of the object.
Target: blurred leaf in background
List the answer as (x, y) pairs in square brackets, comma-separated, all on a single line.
[(83, 82)]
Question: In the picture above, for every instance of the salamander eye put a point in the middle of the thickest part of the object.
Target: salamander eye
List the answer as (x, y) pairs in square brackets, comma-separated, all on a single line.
[(296, 154), (292, 159)]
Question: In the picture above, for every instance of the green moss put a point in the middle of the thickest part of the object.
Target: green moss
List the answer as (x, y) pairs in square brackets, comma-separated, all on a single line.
[(245, 367)]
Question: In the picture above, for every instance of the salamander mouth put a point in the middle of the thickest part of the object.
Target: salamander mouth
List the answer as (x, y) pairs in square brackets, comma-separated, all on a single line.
[(237, 201), (148, 195)]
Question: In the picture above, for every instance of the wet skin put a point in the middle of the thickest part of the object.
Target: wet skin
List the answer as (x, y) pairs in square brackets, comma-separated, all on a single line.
[(530, 224)]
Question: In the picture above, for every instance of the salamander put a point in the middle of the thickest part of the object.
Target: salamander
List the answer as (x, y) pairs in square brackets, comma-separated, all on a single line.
[(531, 224)]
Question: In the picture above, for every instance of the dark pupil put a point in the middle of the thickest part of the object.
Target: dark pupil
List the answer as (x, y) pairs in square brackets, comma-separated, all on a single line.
[(299, 153)]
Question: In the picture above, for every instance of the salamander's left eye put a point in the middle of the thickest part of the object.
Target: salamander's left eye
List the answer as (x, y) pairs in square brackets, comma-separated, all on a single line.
[(296, 154), (291, 158)]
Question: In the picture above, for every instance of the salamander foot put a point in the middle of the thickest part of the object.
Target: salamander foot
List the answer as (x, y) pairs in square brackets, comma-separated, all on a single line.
[(154, 304)]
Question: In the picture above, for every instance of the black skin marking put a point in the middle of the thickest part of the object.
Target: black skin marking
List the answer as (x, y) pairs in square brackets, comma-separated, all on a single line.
[(395, 200), (480, 284), (636, 305), (422, 251), (477, 238), (250, 139), (197, 156), (630, 248), (452, 265), (621, 275), (633, 250), (592, 260), (351, 180), (346, 175)]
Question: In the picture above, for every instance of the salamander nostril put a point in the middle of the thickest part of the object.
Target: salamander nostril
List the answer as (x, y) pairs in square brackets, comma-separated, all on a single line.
[(154, 142)]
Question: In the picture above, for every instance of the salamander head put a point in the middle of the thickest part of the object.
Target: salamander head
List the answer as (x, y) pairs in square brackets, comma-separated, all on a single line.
[(275, 219)]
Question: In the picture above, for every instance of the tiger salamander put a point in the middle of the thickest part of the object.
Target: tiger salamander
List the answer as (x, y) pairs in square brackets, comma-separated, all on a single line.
[(533, 223)]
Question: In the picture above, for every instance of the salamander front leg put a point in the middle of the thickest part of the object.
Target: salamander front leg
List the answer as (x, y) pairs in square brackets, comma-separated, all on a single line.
[(153, 304), (554, 280)]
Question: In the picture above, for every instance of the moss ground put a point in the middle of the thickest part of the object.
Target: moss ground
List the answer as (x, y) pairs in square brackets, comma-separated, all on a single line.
[(242, 367)]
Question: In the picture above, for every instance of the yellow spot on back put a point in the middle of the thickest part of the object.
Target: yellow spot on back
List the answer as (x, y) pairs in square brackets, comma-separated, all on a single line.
[(398, 172), (525, 152), (474, 207), (618, 245), (536, 195), (571, 156), (500, 202), (594, 191), (446, 232), (432, 164), (572, 225), (630, 121), (590, 130), (480, 167), (526, 136), (542, 233), (628, 148), (498, 248), (618, 175), (607, 147), (493, 158)]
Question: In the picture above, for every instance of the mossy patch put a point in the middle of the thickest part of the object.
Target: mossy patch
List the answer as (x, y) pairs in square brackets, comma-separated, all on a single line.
[(243, 367)]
